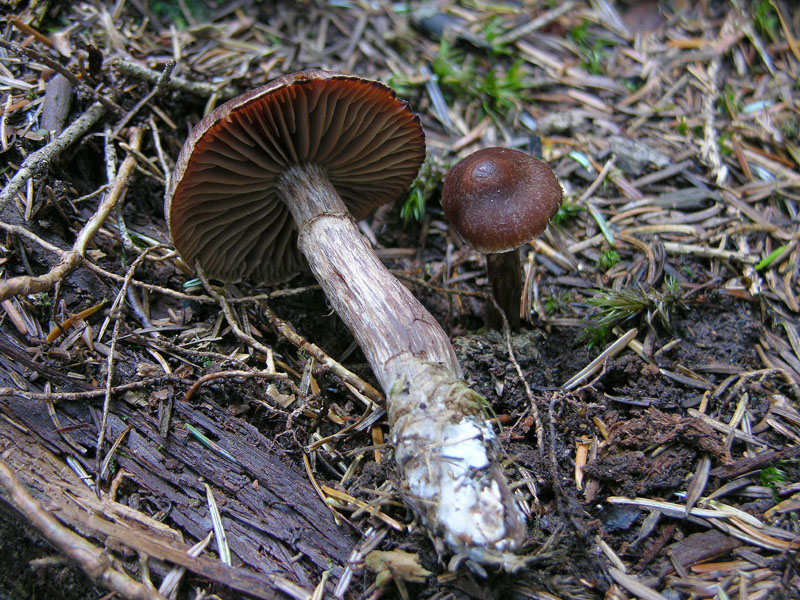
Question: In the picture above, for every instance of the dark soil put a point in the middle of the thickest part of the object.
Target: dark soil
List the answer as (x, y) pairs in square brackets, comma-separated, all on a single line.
[(21, 578)]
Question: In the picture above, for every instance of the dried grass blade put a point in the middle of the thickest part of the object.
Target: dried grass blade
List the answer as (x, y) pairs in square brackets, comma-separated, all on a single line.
[(634, 586), (373, 510), (597, 363), (722, 427), (698, 484), (173, 578), (219, 528), (678, 510)]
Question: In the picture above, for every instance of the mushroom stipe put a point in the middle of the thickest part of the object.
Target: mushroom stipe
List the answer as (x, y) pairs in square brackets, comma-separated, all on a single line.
[(287, 167)]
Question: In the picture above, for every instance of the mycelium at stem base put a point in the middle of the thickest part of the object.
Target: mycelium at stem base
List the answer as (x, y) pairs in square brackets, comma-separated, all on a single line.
[(444, 444)]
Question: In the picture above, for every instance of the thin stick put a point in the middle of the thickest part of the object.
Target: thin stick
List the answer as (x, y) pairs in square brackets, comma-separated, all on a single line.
[(25, 284), (321, 357), (435, 288), (38, 161), (295, 338), (710, 252), (229, 316), (92, 394), (110, 364), (32, 54), (160, 153), (94, 561), (534, 407), (545, 18), (268, 375), (161, 84), (133, 69)]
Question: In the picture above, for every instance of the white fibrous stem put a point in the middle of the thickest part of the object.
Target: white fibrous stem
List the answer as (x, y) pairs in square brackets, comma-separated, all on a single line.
[(445, 447)]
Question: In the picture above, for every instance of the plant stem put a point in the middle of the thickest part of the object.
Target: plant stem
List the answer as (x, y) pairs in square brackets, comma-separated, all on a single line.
[(444, 445)]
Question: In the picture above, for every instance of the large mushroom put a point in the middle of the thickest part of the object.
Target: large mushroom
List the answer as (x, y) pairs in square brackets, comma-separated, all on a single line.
[(291, 165)]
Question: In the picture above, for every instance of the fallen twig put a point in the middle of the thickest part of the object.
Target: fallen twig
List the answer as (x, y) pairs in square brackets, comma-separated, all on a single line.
[(161, 83), (38, 161), (182, 84), (32, 54), (93, 560), (237, 374), (25, 284)]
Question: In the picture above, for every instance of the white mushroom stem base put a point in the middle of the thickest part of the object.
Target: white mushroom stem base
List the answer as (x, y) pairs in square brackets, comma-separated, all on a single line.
[(444, 445)]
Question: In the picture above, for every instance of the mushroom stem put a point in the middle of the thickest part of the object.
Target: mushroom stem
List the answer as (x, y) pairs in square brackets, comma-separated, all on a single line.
[(505, 277), (444, 444)]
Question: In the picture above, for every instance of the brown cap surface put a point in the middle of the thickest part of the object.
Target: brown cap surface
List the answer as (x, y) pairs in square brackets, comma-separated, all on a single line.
[(498, 198), (223, 206)]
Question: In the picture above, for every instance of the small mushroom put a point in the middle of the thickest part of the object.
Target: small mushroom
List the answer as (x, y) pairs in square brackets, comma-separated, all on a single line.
[(497, 199), (290, 166)]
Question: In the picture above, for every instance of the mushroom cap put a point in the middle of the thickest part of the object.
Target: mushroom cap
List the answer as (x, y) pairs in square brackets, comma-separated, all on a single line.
[(224, 206), (498, 198)]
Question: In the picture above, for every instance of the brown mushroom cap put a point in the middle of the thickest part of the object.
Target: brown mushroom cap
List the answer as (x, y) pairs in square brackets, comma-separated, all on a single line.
[(498, 198), (224, 206)]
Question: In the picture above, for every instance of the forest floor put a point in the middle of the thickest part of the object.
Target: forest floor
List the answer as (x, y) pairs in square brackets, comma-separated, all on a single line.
[(649, 407)]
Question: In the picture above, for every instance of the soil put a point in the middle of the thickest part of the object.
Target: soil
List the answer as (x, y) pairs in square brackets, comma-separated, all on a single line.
[(22, 578)]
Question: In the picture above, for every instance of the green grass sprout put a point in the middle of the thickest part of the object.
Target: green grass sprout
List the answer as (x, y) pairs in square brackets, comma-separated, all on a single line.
[(556, 302), (773, 257), (429, 179), (602, 224), (766, 20), (566, 212)]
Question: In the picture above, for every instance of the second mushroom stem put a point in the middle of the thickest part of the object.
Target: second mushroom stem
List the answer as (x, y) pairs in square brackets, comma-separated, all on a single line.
[(505, 278), (444, 444)]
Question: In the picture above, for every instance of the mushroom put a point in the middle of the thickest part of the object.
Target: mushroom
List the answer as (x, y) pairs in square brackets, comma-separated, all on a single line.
[(498, 199), (293, 164)]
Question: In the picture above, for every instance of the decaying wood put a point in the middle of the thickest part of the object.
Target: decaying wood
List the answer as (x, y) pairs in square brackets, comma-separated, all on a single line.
[(90, 558), (270, 511)]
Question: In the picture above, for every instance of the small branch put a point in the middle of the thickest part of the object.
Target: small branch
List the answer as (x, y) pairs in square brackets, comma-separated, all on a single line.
[(295, 338), (542, 20), (32, 54), (95, 562), (435, 288), (161, 84), (268, 375), (91, 394), (230, 317), (160, 152), (115, 308), (182, 84), (321, 357), (25, 284), (513, 359), (38, 161), (71, 259)]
